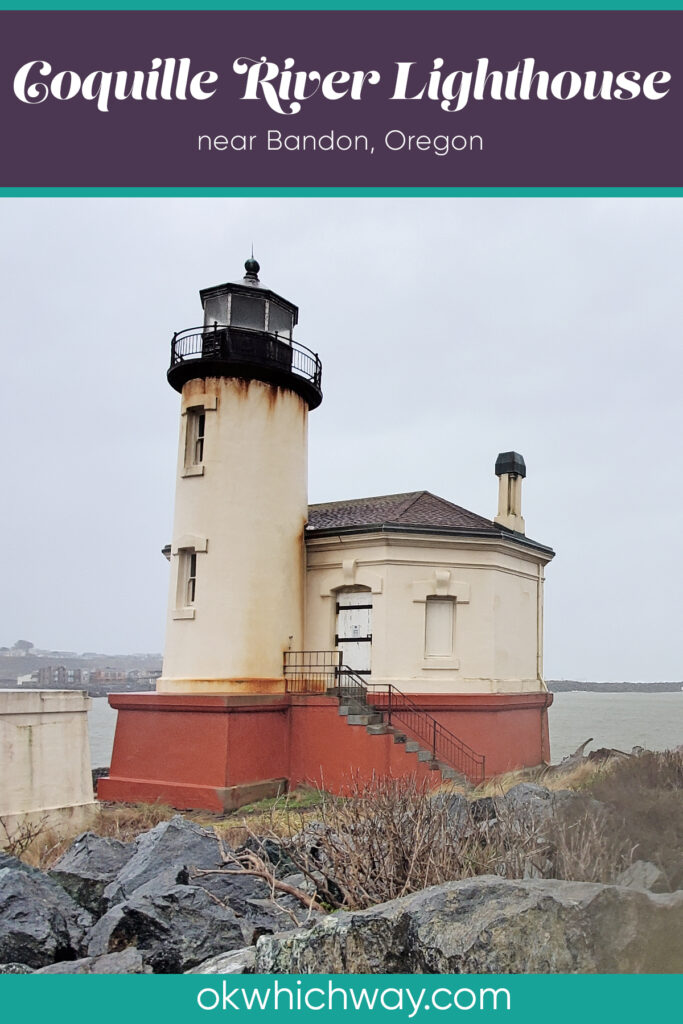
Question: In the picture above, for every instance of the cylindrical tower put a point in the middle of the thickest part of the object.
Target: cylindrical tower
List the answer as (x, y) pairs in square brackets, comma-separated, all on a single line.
[(237, 553)]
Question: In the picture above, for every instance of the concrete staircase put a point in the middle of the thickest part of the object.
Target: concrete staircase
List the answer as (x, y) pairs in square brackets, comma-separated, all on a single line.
[(360, 714)]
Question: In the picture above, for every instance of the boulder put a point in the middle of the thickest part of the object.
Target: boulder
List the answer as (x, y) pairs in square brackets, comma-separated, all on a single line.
[(88, 866), (529, 801), (273, 852), (489, 925), (265, 917), (174, 929), (128, 961), (240, 961), (483, 810), (16, 969), (643, 874), (528, 804), (39, 921), (456, 806), (236, 891), (167, 854)]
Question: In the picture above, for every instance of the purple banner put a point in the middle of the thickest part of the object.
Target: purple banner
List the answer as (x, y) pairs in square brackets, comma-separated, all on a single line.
[(232, 99)]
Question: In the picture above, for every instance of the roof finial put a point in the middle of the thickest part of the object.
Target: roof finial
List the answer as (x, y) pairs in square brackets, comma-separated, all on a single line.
[(252, 267)]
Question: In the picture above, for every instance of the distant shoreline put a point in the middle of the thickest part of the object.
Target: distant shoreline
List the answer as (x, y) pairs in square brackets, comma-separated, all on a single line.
[(568, 685), (554, 685)]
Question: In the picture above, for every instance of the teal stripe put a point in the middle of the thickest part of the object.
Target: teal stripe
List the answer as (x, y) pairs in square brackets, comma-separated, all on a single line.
[(535, 999), (375, 193)]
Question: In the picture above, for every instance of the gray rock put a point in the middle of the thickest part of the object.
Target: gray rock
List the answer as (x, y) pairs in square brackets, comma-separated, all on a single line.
[(236, 891), (534, 806), (643, 874), (39, 922), (89, 865), (16, 969), (167, 854), (570, 805), (301, 881), (174, 930), (265, 917), (483, 810), (529, 800), (128, 961), (457, 808), (272, 851), (489, 925), (240, 961)]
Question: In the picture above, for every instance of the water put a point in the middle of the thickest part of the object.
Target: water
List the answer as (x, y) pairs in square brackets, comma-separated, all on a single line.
[(621, 720), (101, 726)]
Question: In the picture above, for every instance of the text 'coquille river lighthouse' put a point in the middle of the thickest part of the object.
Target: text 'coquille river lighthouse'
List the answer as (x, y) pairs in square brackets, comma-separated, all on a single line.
[(237, 553)]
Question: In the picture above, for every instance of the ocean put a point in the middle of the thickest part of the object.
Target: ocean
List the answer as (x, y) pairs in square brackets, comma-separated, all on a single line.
[(621, 720)]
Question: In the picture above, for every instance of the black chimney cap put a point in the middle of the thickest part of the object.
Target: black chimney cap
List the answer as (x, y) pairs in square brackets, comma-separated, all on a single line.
[(510, 462)]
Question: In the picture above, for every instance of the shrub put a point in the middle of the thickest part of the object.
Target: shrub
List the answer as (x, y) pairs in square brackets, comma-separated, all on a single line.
[(392, 837)]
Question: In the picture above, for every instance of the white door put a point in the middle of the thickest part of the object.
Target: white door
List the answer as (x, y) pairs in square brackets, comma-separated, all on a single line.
[(354, 631)]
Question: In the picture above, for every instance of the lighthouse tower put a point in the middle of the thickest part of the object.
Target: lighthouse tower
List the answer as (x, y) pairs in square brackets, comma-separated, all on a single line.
[(237, 552)]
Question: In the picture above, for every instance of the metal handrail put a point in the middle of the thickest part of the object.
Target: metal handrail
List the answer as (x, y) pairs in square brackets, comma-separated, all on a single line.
[(443, 744), (219, 342), (323, 671), (311, 671)]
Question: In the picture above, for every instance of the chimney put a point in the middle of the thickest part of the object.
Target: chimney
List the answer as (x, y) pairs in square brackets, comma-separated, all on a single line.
[(510, 470)]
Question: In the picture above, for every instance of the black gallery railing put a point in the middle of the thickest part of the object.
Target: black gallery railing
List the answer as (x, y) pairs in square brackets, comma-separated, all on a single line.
[(242, 345)]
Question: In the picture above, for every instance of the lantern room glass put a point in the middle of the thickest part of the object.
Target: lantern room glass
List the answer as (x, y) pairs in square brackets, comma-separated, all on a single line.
[(248, 311)]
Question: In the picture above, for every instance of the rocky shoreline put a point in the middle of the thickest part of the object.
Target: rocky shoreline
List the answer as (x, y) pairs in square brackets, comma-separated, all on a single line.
[(179, 899)]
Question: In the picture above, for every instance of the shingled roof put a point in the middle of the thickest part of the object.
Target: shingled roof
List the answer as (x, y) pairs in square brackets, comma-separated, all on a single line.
[(412, 511)]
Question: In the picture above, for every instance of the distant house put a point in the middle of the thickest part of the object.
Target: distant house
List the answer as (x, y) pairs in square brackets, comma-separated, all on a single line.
[(57, 676)]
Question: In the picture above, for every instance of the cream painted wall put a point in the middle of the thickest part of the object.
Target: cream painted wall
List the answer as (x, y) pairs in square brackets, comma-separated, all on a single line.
[(497, 588), (45, 757), (244, 512)]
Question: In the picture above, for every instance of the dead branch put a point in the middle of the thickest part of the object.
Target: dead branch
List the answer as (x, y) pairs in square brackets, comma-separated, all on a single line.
[(248, 863)]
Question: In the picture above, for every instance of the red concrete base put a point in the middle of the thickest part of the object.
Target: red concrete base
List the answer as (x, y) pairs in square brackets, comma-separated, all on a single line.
[(220, 752)]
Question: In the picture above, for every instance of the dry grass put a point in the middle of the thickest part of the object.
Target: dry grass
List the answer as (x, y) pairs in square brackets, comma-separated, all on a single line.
[(392, 837), (42, 845), (580, 777), (644, 796)]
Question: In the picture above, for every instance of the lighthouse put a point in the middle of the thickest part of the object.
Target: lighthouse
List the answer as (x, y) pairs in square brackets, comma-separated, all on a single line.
[(384, 635), (237, 552)]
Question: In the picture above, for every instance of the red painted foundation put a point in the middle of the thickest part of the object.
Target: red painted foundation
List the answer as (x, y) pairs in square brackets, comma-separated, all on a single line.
[(219, 752)]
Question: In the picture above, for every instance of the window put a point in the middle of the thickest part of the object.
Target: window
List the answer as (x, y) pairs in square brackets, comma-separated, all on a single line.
[(186, 563), (187, 578), (279, 320), (194, 438), (248, 311), (191, 584), (199, 439), (439, 623)]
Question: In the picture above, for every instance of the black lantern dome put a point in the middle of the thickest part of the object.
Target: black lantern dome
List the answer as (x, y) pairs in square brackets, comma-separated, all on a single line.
[(247, 333)]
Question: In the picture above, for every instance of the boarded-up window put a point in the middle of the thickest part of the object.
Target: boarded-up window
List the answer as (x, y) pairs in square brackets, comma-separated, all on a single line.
[(439, 623)]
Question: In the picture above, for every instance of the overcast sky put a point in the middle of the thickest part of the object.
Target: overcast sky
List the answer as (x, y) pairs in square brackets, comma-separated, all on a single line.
[(449, 330)]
